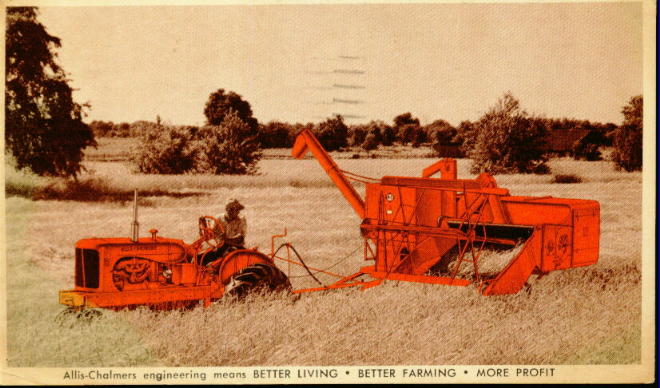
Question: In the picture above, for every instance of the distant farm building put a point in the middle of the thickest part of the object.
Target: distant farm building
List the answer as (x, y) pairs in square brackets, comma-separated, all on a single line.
[(561, 141)]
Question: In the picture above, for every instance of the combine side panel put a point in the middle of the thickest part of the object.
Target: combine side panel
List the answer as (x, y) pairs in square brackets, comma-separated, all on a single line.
[(373, 201), (586, 234), (557, 247), (515, 274)]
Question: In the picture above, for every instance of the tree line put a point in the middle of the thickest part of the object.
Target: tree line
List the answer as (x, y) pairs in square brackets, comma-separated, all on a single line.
[(405, 130), (506, 129), (46, 134)]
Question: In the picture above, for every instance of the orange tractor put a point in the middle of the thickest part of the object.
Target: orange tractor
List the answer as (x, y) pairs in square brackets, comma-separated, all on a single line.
[(165, 273), (428, 230)]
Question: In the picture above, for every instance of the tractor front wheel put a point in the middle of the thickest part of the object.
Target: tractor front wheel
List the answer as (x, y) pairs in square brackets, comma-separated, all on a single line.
[(260, 277), (71, 316)]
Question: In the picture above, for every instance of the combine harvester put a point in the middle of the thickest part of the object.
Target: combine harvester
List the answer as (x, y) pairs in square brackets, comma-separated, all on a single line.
[(430, 230), (427, 230)]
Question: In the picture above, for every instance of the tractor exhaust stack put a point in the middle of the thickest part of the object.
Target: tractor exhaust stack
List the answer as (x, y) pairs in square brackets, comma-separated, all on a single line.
[(135, 226)]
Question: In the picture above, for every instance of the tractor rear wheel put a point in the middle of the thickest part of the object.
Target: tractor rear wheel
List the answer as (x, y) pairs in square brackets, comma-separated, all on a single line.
[(258, 277)]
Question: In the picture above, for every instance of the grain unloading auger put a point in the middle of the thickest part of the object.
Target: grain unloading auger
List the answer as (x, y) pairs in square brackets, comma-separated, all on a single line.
[(430, 230)]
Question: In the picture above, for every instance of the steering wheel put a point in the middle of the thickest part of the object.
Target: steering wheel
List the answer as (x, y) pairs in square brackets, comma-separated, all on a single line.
[(210, 230)]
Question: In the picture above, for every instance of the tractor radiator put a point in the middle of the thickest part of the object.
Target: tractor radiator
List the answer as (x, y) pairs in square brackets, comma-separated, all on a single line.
[(87, 268)]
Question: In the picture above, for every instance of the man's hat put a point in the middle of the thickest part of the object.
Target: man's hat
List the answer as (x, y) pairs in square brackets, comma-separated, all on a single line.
[(234, 204)]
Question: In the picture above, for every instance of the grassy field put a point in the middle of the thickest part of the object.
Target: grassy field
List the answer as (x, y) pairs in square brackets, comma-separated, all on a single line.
[(580, 316), (110, 149)]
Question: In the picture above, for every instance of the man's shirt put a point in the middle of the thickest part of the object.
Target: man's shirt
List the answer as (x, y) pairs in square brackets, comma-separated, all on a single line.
[(234, 228)]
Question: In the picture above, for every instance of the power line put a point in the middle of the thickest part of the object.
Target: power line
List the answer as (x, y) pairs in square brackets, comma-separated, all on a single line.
[(345, 86), (318, 87), (348, 71), (340, 67), (346, 101), (348, 115)]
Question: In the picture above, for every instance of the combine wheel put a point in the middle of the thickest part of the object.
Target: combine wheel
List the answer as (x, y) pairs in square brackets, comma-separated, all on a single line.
[(257, 278)]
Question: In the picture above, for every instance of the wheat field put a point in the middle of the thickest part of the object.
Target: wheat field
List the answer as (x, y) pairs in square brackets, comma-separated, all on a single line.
[(589, 315)]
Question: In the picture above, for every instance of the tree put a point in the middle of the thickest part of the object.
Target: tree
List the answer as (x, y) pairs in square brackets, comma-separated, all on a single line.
[(358, 134), (377, 128), (101, 128), (628, 137), (220, 103), (608, 130), (406, 126), (164, 150), (129, 130), (405, 118), (333, 133), (446, 139), (370, 142), (420, 136), (406, 133), (137, 129), (229, 148), (442, 131), (465, 135), (508, 140), (276, 134), (44, 130), (388, 136)]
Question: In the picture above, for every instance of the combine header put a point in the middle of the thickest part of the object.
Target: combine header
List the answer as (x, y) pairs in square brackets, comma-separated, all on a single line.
[(440, 230)]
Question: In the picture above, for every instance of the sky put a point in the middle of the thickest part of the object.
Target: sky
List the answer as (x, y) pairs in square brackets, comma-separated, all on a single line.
[(303, 63)]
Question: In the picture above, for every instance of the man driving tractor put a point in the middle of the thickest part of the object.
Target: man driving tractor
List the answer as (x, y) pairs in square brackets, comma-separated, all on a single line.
[(229, 232)]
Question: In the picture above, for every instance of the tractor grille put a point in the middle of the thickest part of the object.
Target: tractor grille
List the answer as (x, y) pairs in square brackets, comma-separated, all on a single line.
[(87, 268)]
